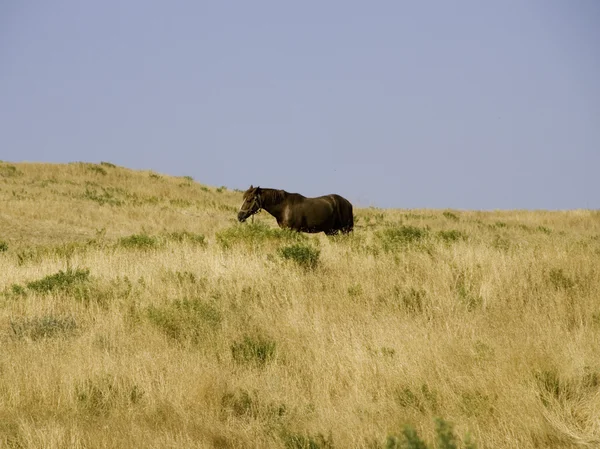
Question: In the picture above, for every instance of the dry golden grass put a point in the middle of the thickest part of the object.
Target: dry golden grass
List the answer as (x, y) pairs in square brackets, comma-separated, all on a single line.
[(489, 320)]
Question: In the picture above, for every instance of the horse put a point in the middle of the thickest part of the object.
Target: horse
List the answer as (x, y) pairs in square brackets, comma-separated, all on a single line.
[(329, 213)]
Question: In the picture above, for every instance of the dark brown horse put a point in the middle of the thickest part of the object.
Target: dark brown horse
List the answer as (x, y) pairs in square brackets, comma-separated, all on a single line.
[(329, 214)]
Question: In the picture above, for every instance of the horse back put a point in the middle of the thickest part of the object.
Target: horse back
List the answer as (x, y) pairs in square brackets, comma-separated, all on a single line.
[(328, 213)]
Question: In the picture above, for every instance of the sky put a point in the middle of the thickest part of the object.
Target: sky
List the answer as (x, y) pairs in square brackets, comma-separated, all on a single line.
[(405, 104)]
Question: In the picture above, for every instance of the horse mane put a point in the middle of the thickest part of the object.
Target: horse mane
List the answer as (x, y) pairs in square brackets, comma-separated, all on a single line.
[(272, 196)]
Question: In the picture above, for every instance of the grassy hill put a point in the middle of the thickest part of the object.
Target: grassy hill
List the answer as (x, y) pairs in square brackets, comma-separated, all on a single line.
[(136, 312)]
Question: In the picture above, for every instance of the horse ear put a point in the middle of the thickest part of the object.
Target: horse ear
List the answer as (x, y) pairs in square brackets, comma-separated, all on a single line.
[(250, 187)]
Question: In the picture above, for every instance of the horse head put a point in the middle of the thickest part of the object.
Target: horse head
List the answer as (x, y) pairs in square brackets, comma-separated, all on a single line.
[(251, 205)]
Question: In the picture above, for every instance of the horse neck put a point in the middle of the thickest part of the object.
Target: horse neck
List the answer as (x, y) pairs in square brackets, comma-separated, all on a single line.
[(273, 201)]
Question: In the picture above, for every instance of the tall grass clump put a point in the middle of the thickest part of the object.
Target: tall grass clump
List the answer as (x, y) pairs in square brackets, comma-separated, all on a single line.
[(185, 320), (445, 438), (100, 395), (102, 196), (452, 235), (402, 236), (450, 215), (139, 241), (304, 255), (63, 280), (560, 280), (47, 326), (9, 171), (544, 230), (257, 350), (256, 234), (300, 441), (97, 169), (186, 237)]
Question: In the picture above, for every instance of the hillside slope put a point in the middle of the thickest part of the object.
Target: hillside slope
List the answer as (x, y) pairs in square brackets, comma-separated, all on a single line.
[(51, 203), (136, 312), (54, 203)]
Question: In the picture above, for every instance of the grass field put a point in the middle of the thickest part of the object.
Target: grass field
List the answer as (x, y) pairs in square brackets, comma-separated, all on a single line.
[(136, 312)]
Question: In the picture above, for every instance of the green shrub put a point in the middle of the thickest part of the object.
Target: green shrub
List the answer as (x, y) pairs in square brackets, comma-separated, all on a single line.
[(3, 246), (254, 350), (43, 327), (304, 255), (63, 280), (254, 234), (445, 438), (408, 440), (17, 290), (139, 241), (108, 164)]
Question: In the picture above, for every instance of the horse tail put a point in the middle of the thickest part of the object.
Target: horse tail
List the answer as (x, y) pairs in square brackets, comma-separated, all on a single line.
[(349, 217), (345, 214)]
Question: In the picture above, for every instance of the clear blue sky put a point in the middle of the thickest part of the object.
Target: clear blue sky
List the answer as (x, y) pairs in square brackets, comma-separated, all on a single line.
[(442, 104)]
